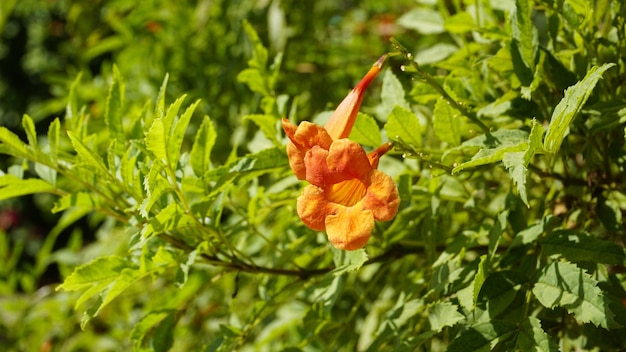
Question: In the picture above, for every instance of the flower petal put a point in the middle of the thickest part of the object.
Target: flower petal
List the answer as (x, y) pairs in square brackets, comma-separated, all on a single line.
[(350, 227), (382, 196), (302, 139), (348, 159), (317, 172), (342, 120), (313, 208)]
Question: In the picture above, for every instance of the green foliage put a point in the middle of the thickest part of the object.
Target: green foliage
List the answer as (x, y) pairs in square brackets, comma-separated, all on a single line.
[(180, 230)]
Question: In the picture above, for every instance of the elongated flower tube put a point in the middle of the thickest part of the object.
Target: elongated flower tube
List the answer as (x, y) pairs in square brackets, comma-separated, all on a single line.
[(347, 192)]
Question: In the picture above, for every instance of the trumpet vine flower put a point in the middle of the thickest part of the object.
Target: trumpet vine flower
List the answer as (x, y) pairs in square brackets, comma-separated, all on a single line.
[(347, 192)]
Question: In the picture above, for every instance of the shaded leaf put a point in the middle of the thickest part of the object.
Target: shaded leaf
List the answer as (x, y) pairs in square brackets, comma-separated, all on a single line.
[(580, 246), (482, 336), (533, 338), (442, 314)]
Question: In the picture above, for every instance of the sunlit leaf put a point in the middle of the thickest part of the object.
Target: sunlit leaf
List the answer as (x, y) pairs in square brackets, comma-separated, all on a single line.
[(579, 246), (563, 284), (404, 126), (446, 122), (574, 99), (202, 147), (113, 109), (11, 187), (366, 131), (442, 314)]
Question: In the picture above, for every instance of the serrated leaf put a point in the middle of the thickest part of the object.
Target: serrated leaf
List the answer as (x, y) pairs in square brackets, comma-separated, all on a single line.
[(72, 109), (80, 199), (490, 156), (113, 108), (53, 138), (11, 187), (12, 144), (563, 284), (534, 142), (580, 246), (103, 269), (171, 218), (366, 131), (573, 101), (346, 261), (175, 141), (29, 127), (479, 279), (85, 155), (442, 314), (533, 338), (404, 126), (391, 95), (516, 166), (160, 100), (482, 337), (267, 124), (202, 147), (261, 162), (446, 122), (156, 141), (524, 44), (499, 291)]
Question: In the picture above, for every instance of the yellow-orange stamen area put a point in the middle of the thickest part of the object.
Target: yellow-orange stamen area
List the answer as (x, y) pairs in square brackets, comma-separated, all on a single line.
[(347, 193)]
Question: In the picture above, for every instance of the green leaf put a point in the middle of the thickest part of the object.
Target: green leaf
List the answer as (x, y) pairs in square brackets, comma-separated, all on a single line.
[(13, 145), (490, 156), (580, 246), (80, 199), (346, 261), (113, 109), (267, 124), (524, 44), (72, 117), (404, 126), (533, 338), (29, 127), (11, 187), (459, 23), (563, 284), (499, 291), (534, 142), (160, 100), (573, 101), (366, 131), (482, 337), (53, 138), (479, 279), (515, 165), (446, 122), (442, 314), (175, 141), (255, 80), (171, 218), (202, 146), (252, 164), (142, 333), (86, 156), (422, 20), (103, 269), (392, 95), (156, 142)]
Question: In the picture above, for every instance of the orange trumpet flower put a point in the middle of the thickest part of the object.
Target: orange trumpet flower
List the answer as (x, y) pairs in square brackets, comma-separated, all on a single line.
[(347, 192)]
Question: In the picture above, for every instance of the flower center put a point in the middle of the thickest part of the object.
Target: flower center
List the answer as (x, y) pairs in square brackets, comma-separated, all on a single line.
[(347, 193)]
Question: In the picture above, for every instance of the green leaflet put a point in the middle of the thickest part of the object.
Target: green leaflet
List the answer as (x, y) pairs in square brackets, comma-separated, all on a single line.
[(482, 336), (580, 246), (267, 124), (563, 284), (202, 147), (11, 187), (533, 338), (442, 314), (392, 95), (346, 261), (366, 131), (13, 145), (573, 101), (113, 110), (446, 122), (404, 126), (175, 141), (29, 127), (524, 44)]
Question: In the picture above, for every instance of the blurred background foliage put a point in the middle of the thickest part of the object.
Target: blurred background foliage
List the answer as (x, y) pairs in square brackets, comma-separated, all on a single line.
[(424, 267), (46, 45)]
